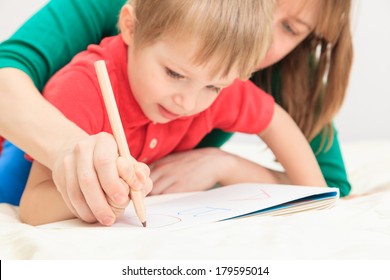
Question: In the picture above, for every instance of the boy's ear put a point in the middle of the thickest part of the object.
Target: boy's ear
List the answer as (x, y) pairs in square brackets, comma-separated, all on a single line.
[(127, 23)]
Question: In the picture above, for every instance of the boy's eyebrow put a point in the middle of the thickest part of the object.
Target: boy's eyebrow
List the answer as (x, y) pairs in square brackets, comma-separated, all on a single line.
[(188, 73), (180, 69), (176, 66), (300, 21), (183, 68)]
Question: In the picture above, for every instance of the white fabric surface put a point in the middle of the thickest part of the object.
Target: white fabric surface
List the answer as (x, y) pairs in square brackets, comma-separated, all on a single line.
[(355, 228)]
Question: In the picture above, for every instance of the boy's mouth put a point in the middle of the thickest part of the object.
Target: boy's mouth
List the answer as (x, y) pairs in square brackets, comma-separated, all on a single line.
[(167, 114)]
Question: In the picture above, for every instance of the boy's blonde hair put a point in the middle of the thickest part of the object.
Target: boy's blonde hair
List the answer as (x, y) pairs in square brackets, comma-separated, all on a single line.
[(229, 32)]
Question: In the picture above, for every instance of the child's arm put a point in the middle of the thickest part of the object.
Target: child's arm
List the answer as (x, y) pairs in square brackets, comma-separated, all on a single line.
[(174, 173), (41, 203), (292, 150)]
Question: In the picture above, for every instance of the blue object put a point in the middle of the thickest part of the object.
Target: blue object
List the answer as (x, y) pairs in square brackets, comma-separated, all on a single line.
[(14, 171)]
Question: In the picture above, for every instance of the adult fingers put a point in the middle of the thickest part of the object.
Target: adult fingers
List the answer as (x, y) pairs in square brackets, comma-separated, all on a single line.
[(90, 186), (65, 178), (104, 159)]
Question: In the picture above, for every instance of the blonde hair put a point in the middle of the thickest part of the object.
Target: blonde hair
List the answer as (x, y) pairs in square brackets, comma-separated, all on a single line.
[(312, 92), (231, 32)]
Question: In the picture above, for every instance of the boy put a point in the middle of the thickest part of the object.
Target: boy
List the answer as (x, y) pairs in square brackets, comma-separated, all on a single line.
[(168, 68)]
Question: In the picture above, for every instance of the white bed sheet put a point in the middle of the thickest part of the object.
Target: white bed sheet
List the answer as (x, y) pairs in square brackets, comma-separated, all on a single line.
[(355, 228)]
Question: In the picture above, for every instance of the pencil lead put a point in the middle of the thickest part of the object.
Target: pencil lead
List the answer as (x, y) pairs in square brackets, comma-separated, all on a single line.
[(144, 224)]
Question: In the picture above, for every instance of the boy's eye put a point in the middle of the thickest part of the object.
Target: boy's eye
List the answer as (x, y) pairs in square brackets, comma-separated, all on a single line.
[(173, 74), (287, 27), (213, 88)]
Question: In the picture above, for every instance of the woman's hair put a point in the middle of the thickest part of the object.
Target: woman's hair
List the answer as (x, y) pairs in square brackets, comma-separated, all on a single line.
[(314, 76), (230, 32)]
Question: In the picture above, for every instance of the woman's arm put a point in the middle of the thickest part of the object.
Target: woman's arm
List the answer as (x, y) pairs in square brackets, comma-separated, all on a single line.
[(32, 123), (27, 61), (64, 28), (57, 32)]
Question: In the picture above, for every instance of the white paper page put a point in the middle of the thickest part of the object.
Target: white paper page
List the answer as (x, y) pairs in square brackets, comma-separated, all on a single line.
[(209, 206), (218, 204)]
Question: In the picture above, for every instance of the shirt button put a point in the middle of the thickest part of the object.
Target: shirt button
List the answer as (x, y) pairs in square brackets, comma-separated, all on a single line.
[(153, 143)]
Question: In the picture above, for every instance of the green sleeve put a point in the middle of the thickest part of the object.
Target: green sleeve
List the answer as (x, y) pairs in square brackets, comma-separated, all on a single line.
[(61, 29), (331, 163), (216, 138)]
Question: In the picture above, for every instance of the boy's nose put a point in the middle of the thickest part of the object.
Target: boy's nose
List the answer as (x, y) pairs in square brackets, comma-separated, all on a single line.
[(186, 101)]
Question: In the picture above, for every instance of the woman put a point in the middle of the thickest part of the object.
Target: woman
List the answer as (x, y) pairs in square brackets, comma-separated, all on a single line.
[(312, 44)]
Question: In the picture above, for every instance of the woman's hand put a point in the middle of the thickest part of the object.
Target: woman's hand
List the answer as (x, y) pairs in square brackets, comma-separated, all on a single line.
[(194, 170), (94, 183)]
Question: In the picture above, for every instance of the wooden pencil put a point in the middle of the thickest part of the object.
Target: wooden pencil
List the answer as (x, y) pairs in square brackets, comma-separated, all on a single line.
[(116, 124)]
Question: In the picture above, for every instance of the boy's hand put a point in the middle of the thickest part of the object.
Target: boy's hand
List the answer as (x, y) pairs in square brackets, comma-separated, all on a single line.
[(195, 170), (135, 174)]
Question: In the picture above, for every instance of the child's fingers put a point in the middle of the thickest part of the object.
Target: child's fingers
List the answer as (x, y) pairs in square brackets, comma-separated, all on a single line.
[(135, 174), (142, 171), (148, 186), (126, 171)]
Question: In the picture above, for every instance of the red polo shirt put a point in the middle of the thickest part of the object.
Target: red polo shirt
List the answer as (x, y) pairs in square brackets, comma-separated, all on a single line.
[(75, 91)]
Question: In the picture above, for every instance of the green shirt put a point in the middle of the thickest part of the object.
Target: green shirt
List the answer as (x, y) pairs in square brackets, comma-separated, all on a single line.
[(62, 28)]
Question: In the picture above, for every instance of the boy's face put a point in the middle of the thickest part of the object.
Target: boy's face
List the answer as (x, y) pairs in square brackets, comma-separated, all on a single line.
[(168, 85)]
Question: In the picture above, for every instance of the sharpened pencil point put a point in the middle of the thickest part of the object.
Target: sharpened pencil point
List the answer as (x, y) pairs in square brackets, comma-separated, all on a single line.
[(144, 224)]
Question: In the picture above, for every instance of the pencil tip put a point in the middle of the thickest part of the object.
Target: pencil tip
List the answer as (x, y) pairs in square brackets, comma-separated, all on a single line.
[(144, 224)]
